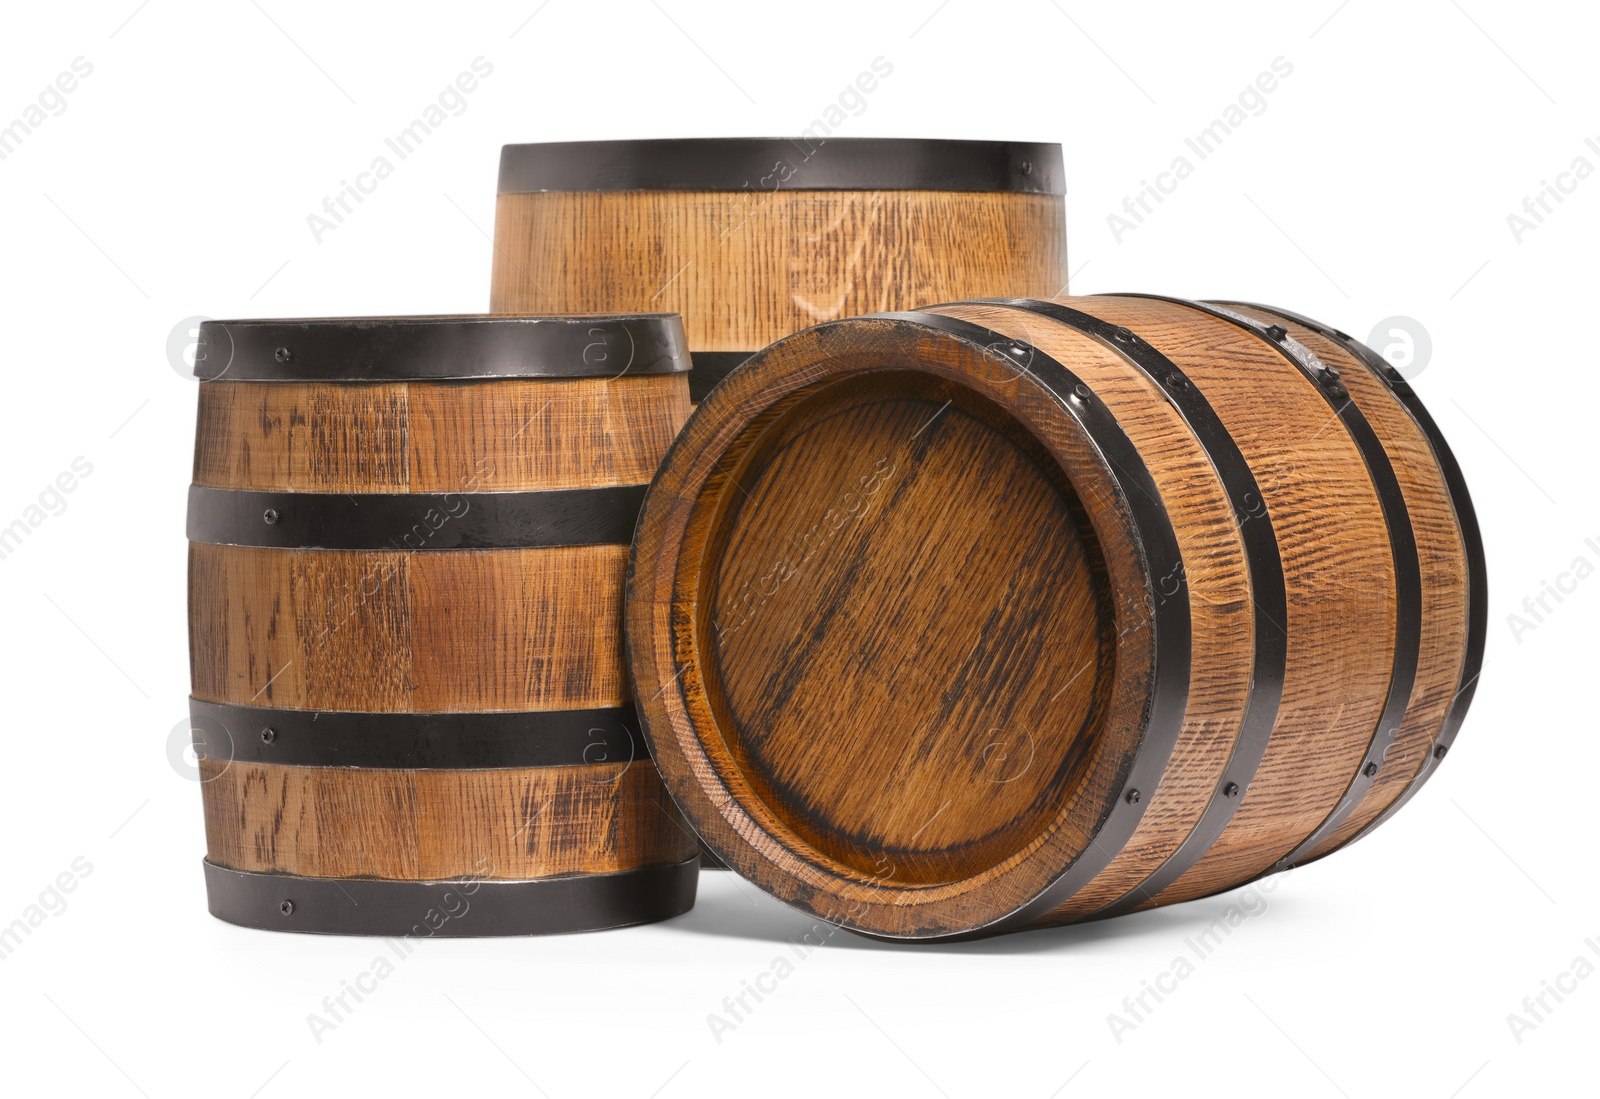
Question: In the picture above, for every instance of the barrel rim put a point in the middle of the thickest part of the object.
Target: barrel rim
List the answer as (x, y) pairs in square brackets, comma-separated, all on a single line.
[(757, 164), (443, 347), (668, 688), (483, 906)]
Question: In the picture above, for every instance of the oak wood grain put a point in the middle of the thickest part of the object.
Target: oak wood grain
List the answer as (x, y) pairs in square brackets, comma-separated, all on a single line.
[(747, 267), (433, 631)]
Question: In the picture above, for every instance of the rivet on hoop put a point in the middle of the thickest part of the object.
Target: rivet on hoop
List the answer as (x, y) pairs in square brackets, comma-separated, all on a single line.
[(283, 354), (1027, 167), (1438, 753), (287, 908), (270, 516), (1370, 769), (268, 735), (1277, 332), (1133, 797), (1231, 790)]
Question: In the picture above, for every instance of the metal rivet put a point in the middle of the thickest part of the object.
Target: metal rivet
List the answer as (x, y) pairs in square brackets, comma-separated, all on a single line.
[(1370, 769), (1027, 167), (287, 908), (1176, 381), (268, 735), (1231, 790), (1278, 332), (283, 354), (1438, 753), (1133, 797), (1124, 334), (1335, 388), (270, 516)]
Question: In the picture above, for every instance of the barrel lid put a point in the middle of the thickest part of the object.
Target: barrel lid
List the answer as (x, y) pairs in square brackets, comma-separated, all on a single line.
[(893, 626), (460, 347), (784, 163)]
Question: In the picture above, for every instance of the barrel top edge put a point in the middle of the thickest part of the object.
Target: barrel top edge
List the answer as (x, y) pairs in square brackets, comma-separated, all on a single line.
[(801, 163), (441, 347)]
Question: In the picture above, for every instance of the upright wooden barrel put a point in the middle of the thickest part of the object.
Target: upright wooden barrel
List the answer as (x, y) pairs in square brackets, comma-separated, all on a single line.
[(752, 239), (1010, 613), (406, 565)]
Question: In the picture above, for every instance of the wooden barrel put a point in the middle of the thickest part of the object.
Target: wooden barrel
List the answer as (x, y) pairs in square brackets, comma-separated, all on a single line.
[(408, 538), (1010, 613), (753, 239)]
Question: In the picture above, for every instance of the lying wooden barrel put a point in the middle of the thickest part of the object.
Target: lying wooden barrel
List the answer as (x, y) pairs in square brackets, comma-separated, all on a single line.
[(751, 239), (408, 538), (1011, 613)]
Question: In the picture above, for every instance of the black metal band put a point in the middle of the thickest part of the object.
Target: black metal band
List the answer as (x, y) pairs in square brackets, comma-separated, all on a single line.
[(1167, 618), (783, 164), (1472, 542), (710, 367), (1269, 602), (1402, 547), (451, 909), (416, 742), (438, 349), (414, 521)]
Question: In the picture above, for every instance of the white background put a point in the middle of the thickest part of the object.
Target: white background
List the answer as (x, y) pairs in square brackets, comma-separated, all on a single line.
[(1377, 182)]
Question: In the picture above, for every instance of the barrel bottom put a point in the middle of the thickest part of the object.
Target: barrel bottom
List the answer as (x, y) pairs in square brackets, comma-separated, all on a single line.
[(463, 908)]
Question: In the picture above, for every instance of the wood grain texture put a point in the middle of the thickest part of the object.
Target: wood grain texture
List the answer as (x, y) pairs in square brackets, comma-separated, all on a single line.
[(519, 629), (840, 519), (1442, 557), (920, 578), (426, 632), (516, 823), (798, 744), (747, 267), (1338, 577), (1218, 578), (498, 436)]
